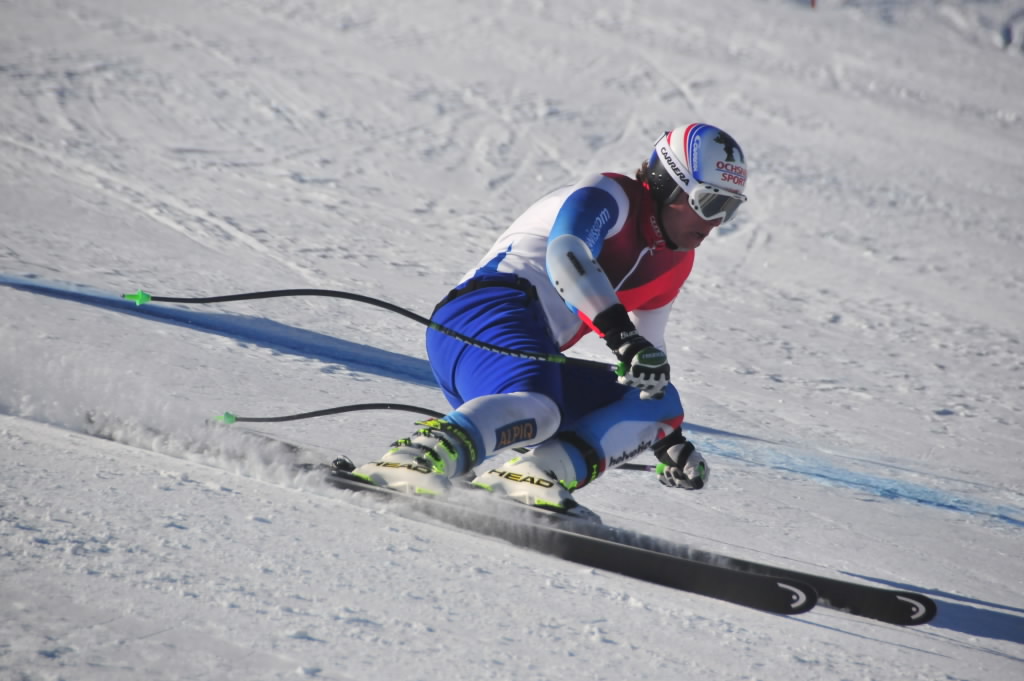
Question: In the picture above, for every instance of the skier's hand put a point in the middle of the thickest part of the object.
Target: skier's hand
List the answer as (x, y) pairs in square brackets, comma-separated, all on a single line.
[(682, 466), (641, 365)]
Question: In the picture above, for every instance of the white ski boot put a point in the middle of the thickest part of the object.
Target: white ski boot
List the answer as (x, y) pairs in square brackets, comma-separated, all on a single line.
[(424, 463), (543, 479)]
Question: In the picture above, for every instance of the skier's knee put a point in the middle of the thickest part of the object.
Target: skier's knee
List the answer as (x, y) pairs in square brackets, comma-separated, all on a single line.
[(519, 419)]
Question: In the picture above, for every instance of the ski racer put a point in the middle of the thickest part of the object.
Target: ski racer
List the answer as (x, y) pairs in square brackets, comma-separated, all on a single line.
[(609, 255)]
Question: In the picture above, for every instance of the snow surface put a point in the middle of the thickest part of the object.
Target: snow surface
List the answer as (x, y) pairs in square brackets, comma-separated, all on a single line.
[(849, 351)]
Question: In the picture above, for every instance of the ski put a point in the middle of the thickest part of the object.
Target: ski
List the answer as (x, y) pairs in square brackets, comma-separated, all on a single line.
[(885, 605), (582, 541), (780, 595), (905, 608)]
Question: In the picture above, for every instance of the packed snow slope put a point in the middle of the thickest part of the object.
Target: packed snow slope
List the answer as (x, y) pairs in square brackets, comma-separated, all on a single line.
[(849, 350)]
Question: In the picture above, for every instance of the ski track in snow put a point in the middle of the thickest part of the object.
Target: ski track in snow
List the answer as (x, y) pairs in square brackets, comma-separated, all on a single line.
[(849, 350)]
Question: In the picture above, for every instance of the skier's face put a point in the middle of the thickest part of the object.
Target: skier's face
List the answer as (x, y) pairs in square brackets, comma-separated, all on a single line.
[(684, 227)]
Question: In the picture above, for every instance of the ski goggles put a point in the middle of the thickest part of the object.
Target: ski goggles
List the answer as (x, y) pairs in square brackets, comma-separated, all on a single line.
[(710, 202)]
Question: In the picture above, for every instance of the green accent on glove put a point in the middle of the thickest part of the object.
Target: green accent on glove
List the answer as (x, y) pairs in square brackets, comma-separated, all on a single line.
[(660, 468), (227, 417)]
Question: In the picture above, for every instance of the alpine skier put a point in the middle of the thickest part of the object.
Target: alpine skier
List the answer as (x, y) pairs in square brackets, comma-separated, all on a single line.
[(608, 254)]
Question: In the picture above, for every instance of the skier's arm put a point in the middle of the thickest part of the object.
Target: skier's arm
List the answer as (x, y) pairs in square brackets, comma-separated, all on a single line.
[(597, 208), (651, 324)]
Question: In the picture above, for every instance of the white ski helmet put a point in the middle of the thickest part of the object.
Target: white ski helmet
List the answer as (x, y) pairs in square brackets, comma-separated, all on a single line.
[(702, 162)]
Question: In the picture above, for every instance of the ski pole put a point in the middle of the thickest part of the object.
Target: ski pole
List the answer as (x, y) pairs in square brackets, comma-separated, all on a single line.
[(228, 417), (141, 297)]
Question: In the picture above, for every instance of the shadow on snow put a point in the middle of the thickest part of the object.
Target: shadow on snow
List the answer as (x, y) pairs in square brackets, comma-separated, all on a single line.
[(970, 616), (263, 332)]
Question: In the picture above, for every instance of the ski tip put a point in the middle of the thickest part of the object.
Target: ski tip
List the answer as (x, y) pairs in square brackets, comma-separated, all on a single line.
[(902, 608), (917, 608)]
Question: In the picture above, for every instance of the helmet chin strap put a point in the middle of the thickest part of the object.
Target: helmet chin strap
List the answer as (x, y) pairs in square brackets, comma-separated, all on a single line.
[(659, 223), (671, 245)]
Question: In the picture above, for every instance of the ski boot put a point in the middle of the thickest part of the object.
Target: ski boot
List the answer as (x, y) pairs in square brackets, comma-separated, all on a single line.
[(425, 462), (544, 479)]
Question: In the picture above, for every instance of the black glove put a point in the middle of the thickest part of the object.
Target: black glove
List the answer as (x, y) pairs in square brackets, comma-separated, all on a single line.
[(680, 464), (641, 365)]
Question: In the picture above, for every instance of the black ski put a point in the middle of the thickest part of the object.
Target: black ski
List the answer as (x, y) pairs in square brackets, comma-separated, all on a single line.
[(780, 595), (896, 607), (885, 605)]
